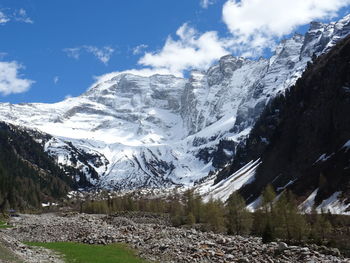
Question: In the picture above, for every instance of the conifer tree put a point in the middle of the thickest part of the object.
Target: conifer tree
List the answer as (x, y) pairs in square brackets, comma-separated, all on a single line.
[(289, 222), (321, 228), (268, 197), (193, 205), (268, 234), (239, 219), (176, 211), (190, 219), (214, 215), (267, 220), (259, 222), (198, 211)]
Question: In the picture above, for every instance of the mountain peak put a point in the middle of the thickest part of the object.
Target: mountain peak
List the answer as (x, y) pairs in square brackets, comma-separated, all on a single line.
[(159, 130)]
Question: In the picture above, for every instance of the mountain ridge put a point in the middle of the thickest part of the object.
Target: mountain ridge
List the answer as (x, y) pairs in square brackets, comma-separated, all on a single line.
[(162, 131), (300, 142)]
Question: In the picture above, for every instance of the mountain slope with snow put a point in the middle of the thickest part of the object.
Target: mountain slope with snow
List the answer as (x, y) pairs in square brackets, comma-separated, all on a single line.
[(28, 176), (130, 131), (301, 140)]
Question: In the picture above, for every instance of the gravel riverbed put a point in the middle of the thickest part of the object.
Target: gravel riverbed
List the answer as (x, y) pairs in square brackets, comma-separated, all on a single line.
[(154, 239)]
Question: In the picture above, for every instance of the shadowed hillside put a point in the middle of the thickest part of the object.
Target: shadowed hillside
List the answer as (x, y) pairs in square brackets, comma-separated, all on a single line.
[(300, 136)]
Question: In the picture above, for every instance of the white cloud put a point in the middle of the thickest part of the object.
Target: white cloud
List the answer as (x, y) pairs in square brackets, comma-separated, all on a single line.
[(103, 54), (191, 50), (255, 24), (3, 18), (73, 52), (10, 81), (138, 49), (206, 3), (21, 16), (56, 79)]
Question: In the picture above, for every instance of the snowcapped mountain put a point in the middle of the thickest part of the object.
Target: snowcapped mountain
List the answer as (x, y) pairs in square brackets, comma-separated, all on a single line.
[(130, 131), (300, 142)]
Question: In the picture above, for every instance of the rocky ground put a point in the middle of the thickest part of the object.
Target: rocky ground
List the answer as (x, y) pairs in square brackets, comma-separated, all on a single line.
[(13, 251), (155, 240)]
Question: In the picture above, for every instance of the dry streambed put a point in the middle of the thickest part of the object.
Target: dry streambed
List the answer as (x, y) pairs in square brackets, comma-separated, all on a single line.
[(154, 239)]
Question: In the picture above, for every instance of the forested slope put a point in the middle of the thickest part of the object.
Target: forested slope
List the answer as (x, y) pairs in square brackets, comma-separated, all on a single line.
[(302, 137), (28, 175)]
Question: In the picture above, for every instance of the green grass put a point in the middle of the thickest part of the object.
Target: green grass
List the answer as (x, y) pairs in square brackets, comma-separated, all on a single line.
[(4, 225), (83, 253)]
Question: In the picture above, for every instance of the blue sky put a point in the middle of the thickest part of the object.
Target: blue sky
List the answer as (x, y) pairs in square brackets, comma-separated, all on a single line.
[(59, 46)]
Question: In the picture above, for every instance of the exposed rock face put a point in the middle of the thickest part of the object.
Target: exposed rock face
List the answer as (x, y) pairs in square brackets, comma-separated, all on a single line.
[(159, 242), (130, 131), (302, 138)]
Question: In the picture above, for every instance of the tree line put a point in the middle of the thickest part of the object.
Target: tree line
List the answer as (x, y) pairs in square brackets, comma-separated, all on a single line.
[(277, 217)]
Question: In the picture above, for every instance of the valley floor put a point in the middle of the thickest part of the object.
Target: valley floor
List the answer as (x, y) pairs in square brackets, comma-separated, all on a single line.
[(14, 251), (151, 236)]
